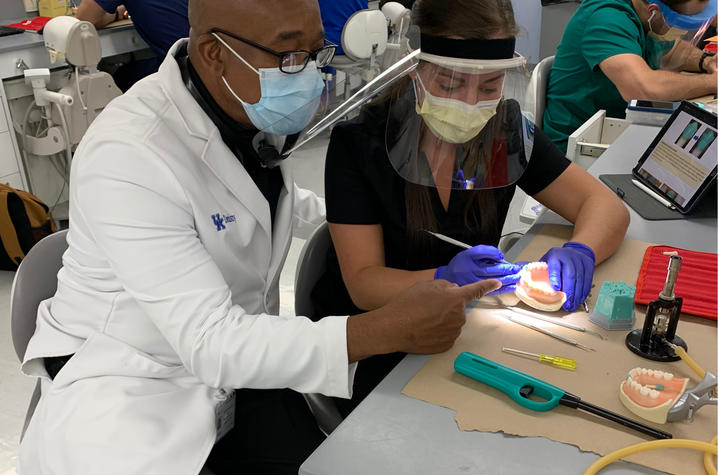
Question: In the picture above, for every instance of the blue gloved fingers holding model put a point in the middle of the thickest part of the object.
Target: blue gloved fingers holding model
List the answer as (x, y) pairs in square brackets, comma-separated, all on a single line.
[(479, 263), (570, 269)]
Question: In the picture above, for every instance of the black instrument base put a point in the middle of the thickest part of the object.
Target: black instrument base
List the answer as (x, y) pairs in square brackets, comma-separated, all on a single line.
[(657, 350)]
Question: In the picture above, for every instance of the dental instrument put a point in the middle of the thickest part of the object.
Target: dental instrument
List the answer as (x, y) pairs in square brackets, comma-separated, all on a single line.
[(682, 354), (554, 321), (557, 361), (521, 387), (448, 239), (695, 367), (662, 314), (562, 338)]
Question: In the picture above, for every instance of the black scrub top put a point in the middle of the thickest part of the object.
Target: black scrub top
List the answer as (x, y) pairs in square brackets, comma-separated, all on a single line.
[(362, 187)]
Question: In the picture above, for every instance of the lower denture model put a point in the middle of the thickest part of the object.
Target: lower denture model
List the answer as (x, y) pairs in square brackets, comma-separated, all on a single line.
[(651, 394), (535, 289)]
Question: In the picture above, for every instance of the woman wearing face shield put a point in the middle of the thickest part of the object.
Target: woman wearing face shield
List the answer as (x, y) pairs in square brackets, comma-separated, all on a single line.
[(443, 151)]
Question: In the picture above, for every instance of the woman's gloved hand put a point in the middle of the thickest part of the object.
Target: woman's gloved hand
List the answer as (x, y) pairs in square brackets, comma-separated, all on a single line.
[(570, 269), (480, 263)]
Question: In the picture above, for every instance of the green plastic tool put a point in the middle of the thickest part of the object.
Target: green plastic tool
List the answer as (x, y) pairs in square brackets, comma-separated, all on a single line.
[(520, 387)]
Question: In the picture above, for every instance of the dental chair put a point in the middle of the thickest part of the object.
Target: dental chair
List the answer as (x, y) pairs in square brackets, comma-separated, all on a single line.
[(310, 267), (364, 40), (35, 281), (399, 19), (535, 105), (536, 92)]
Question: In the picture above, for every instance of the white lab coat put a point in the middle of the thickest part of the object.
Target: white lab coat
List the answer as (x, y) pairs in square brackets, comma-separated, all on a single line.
[(169, 290)]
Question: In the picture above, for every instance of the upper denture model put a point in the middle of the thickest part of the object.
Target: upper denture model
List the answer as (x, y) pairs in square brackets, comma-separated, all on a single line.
[(650, 394), (535, 290)]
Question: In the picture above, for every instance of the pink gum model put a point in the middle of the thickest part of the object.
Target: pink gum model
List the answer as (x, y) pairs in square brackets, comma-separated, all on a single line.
[(535, 290)]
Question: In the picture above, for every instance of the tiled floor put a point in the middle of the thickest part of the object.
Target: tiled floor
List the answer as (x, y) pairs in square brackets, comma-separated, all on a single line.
[(15, 389)]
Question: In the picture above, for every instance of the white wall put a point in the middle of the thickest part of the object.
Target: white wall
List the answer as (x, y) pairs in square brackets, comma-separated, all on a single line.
[(528, 16)]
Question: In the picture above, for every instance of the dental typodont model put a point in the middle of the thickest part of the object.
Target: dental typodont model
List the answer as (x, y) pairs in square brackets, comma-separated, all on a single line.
[(535, 290), (651, 394)]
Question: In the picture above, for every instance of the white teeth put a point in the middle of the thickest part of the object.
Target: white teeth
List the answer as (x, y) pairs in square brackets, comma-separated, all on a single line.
[(653, 394), (650, 372), (644, 391), (668, 376), (634, 372), (635, 385), (658, 374)]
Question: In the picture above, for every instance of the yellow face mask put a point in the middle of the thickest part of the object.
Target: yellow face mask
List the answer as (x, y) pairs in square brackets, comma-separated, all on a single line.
[(452, 120)]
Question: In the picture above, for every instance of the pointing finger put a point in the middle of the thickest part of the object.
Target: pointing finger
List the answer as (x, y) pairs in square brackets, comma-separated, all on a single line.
[(478, 289)]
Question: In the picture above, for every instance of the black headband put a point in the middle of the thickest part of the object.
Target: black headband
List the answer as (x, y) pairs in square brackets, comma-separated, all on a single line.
[(502, 48)]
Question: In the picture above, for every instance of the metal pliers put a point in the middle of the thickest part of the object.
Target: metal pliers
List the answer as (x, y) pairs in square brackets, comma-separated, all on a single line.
[(691, 400)]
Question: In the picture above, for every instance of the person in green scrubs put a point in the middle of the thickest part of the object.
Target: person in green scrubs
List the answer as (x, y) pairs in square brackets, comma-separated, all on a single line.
[(612, 51)]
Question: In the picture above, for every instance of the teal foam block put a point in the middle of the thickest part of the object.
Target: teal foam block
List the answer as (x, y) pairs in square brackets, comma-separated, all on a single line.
[(614, 307)]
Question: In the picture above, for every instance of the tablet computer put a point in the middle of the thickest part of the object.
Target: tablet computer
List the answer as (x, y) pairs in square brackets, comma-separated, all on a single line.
[(680, 164)]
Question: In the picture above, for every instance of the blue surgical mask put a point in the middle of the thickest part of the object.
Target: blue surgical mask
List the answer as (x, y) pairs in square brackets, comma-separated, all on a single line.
[(288, 102)]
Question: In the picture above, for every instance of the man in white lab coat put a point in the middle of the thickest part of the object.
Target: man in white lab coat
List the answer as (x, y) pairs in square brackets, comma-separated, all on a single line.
[(168, 295)]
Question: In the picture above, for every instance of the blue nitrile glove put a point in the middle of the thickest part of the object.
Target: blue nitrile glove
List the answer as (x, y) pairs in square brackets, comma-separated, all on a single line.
[(570, 269), (480, 263)]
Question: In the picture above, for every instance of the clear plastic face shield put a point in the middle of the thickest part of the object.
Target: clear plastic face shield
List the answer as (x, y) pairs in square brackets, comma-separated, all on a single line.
[(365, 94), (677, 33), (450, 126)]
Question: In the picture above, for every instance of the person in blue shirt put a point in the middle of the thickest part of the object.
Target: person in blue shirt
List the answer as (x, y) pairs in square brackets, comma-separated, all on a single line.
[(160, 23), (335, 14)]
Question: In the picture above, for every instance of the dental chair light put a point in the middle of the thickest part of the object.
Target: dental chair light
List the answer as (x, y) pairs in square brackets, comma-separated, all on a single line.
[(73, 40), (398, 15)]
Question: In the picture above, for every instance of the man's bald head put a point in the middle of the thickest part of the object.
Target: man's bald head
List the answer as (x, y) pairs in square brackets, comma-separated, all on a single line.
[(280, 25)]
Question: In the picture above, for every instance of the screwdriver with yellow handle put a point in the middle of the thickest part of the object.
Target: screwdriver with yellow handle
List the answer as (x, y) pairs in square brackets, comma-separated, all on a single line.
[(558, 361)]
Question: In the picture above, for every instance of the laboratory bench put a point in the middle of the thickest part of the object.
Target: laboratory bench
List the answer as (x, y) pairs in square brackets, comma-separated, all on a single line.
[(390, 433)]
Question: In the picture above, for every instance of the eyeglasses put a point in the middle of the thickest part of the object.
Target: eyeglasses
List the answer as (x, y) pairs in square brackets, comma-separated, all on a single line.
[(291, 62)]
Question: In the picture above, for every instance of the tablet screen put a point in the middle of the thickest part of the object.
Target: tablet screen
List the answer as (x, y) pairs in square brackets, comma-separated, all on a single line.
[(683, 159)]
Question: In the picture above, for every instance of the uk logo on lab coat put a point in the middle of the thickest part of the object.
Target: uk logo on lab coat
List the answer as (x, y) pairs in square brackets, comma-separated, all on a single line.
[(220, 220)]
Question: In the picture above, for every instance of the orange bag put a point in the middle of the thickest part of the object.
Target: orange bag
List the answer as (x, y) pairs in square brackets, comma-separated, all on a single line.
[(24, 220)]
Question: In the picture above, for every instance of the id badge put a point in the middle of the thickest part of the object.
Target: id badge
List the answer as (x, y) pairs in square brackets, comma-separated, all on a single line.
[(224, 412)]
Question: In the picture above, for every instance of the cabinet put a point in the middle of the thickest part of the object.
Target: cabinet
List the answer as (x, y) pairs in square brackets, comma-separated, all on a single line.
[(28, 50), (11, 171)]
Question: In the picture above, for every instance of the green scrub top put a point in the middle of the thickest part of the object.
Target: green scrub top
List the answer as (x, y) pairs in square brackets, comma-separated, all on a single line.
[(577, 88)]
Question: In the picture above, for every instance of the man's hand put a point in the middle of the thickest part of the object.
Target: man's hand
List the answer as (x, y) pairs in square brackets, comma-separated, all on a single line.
[(90, 11), (122, 13), (710, 64), (425, 318)]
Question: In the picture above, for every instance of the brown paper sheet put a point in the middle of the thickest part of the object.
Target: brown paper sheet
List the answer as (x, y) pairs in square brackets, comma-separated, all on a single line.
[(596, 379)]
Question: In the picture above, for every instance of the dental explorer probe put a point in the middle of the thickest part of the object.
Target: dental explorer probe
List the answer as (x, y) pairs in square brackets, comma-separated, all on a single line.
[(448, 239), (557, 336), (555, 321)]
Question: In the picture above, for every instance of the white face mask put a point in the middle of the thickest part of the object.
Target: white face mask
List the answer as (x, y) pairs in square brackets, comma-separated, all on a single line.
[(452, 120), (672, 34)]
